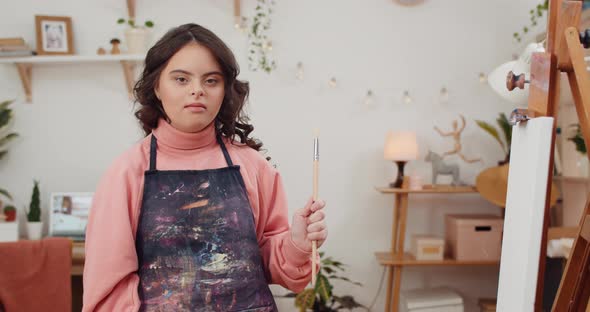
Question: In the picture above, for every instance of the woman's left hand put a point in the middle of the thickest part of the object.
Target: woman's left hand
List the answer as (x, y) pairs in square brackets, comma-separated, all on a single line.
[(309, 225)]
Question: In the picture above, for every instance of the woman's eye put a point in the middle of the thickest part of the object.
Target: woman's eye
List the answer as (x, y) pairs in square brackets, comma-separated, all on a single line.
[(211, 81), (181, 79)]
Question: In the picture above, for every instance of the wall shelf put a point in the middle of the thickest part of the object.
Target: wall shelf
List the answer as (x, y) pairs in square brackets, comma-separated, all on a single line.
[(25, 65)]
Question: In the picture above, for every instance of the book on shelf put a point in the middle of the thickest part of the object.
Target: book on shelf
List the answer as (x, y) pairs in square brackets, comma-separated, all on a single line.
[(16, 53), (12, 41)]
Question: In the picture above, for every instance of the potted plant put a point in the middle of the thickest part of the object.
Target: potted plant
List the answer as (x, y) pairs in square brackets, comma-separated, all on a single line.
[(492, 183), (136, 35), (34, 224), (10, 213), (321, 298), (577, 138), (506, 129), (6, 117)]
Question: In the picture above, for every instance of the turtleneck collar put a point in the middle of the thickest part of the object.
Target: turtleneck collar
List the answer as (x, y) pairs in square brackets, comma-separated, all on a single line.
[(172, 137)]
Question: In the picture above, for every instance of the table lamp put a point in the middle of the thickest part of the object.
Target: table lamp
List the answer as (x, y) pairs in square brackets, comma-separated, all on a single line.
[(400, 147)]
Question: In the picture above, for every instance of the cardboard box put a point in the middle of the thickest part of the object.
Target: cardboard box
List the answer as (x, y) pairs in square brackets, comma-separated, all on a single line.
[(474, 237), (425, 247), (431, 300)]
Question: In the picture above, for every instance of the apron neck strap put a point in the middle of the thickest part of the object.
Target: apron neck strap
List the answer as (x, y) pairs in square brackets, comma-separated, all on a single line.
[(224, 150), (154, 147)]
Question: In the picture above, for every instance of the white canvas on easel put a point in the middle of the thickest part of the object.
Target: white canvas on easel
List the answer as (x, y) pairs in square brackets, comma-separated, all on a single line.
[(523, 220)]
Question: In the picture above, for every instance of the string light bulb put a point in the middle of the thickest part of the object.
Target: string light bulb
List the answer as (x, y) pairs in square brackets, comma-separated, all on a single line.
[(332, 83), (444, 95), (368, 101), (299, 71), (406, 98), (483, 78)]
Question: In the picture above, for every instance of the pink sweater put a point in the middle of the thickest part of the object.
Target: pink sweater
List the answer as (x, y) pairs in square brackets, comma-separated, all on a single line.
[(110, 278)]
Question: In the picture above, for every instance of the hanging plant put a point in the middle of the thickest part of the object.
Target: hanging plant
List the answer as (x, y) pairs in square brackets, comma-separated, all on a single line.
[(260, 45), (535, 15)]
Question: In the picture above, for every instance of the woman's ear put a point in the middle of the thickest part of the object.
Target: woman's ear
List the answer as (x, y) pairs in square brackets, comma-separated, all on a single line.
[(157, 93)]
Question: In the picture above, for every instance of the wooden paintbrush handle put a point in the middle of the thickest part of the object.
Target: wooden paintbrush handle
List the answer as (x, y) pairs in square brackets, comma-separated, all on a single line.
[(314, 244)]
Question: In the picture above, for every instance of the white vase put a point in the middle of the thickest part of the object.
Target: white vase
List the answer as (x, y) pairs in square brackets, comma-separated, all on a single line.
[(34, 230), (582, 165), (137, 40)]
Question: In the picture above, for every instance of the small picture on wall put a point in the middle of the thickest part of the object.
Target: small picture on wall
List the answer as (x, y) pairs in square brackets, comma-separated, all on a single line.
[(54, 35), (69, 214)]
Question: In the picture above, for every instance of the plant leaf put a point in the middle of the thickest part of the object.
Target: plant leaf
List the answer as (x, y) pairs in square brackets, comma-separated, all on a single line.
[(506, 128), (323, 287), (345, 279), (492, 131), (8, 138), (348, 302), (5, 193), (4, 104), (305, 299)]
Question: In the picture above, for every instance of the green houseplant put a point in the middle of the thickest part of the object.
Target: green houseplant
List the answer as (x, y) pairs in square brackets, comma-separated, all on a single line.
[(6, 136), (578, 139), (505, 128), (34, 224), (137, 36), (321, 298)]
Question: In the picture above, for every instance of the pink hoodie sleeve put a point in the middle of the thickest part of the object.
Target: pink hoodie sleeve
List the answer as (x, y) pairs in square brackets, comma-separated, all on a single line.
[(286, 264), (110, 279)]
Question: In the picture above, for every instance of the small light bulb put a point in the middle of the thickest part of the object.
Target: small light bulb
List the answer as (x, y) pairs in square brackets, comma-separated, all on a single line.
[(332, 83), (368, 102), (483, 78), (444, 95), (267, 46), (406, 97), (299, 73)]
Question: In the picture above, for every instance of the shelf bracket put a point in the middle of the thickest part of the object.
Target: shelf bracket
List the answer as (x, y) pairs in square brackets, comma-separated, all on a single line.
[(237, 13), (25, 72), (128, 70), (131, 9)]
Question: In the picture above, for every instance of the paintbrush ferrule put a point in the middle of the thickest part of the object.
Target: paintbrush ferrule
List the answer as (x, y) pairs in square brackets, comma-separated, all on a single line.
[(316, 149)]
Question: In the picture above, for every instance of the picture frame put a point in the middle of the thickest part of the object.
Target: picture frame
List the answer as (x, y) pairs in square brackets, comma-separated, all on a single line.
[(54, 35), (68, 214)]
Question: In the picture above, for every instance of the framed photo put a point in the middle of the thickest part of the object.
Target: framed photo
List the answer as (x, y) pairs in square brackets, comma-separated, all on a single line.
[(54, 35), (69, 214)]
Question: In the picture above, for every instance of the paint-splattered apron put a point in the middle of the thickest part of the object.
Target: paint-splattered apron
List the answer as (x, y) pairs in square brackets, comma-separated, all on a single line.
[(196, 242)]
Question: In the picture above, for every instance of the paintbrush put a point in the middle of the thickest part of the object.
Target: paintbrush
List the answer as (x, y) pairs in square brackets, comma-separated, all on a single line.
[(316, 165)]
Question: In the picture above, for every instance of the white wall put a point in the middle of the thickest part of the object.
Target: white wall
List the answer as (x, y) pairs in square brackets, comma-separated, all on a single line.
[(80, 118)]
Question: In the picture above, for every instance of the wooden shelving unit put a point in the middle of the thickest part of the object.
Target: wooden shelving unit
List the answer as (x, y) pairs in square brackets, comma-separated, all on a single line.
[(389, 259), (396, 258), (25, 66)]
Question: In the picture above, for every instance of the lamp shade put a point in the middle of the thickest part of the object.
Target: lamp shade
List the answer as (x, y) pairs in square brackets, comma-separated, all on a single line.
[(400, 146), (497, 78)]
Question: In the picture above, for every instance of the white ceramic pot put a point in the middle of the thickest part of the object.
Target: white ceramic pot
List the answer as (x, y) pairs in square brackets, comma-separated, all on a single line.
[(582, 165), (137, 40), (34, 230)]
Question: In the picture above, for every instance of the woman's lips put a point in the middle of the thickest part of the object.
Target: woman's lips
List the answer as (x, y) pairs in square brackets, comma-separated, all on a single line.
[(195, 107)]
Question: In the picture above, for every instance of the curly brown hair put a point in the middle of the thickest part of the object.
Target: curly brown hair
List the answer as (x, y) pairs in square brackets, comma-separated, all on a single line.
[(231, 119)]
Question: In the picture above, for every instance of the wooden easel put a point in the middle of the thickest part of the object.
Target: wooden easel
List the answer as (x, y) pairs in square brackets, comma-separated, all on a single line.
[(564, 53)]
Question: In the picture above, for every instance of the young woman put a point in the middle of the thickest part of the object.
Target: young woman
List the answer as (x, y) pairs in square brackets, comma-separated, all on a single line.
[(193, 217)]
